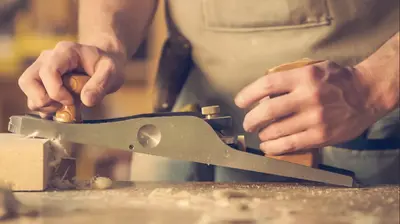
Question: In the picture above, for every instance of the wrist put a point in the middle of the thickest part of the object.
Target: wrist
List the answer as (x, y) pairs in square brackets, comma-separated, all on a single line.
[(381, 94), (108, 44)]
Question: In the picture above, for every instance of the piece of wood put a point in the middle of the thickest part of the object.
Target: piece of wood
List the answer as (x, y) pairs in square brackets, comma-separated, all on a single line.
[(24, 162), (307, 158)]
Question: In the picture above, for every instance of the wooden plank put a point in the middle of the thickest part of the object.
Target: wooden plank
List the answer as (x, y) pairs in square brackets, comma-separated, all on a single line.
[(24, 162)]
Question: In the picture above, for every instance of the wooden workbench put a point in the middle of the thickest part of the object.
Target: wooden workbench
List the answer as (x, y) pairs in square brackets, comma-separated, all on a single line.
[(202, 203)]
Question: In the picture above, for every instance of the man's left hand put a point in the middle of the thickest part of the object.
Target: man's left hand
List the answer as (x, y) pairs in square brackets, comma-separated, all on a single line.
[(314, 106)]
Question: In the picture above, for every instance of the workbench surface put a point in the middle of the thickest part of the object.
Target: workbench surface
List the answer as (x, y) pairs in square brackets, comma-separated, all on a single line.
[(201, 203)]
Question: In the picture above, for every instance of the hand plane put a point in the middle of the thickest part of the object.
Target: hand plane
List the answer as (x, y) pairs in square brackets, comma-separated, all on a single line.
[(180, 135), (203, 137)]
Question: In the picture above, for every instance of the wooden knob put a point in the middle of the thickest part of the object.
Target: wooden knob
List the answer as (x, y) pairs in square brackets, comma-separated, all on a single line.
[(292, 65), (74, 83)]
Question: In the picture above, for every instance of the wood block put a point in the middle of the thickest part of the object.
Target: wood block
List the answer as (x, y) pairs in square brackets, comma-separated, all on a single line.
[(310, 159), (24, 162)]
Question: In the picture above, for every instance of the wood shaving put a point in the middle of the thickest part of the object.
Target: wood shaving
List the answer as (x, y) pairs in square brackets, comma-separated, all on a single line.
[(102, 183), (95, 183)]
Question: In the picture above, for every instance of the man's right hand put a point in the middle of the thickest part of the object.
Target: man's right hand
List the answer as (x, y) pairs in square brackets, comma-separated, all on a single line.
[(42, 82)]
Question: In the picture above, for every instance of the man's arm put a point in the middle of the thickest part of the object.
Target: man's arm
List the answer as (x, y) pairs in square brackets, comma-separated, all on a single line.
[(118, 25), (380, 73)]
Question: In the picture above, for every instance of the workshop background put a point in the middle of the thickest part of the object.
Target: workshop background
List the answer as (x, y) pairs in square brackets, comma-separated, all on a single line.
[(29, 26)]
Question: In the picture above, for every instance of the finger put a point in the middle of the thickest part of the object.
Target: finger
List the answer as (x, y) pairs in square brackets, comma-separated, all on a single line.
[(271, 109), (32, 87), (272, 84), (287, 126), (89, 57), (303, 140), (50, 107), (63, 58), (49, 111), (101, 83), (36, 94)]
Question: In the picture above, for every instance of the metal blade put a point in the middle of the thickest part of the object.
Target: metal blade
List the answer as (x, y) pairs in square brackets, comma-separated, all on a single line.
[(187, 138)]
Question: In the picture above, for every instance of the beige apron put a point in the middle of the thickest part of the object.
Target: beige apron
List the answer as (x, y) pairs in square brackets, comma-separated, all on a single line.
[(235, 41)]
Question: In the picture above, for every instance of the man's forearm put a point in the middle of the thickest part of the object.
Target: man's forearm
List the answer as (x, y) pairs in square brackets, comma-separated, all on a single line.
[(117, 26), (380, 72)]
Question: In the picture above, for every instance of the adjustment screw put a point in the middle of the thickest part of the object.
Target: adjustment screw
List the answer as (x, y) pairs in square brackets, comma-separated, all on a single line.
[(210, 111)]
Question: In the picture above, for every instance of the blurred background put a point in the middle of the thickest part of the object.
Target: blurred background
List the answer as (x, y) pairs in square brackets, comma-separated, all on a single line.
[(29, 26)]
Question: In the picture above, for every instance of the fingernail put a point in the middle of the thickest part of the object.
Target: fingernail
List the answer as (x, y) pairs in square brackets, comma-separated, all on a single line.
[(45, 115), (266, 149), (239, 100), (247, 128), (262, 148)]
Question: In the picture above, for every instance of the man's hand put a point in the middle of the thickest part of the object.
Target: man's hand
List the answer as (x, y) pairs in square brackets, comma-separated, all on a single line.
[(109, 33), (317, 105), (322, 104), (42, 82)]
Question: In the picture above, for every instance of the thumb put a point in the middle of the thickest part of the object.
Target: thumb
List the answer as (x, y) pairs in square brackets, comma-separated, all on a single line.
[(98, 85)]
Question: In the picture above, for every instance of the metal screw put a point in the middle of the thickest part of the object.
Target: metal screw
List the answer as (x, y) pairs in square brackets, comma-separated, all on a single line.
[(210, 111), (241, 142)]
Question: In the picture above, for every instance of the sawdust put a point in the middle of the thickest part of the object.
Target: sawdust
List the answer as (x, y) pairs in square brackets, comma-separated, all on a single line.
[(221, 206), (230, 194), (197, 203)]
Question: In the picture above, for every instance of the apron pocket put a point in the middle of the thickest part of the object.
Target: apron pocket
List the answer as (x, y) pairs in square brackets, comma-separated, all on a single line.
[(259, 15)]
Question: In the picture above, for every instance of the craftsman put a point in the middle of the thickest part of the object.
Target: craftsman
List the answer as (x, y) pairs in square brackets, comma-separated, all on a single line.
[(340, 104)]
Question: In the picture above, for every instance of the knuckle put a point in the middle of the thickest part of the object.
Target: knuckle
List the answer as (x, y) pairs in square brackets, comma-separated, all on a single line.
[(268, 85), (110, 65), (40, 101), (314, 73), (22, 81), (321, 135), (65, 45), (314, 97), (44, 53), (268, 113), (54, 93), (48, 69), (319, 116), (271, 132), (289, 144), (263, 135)]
